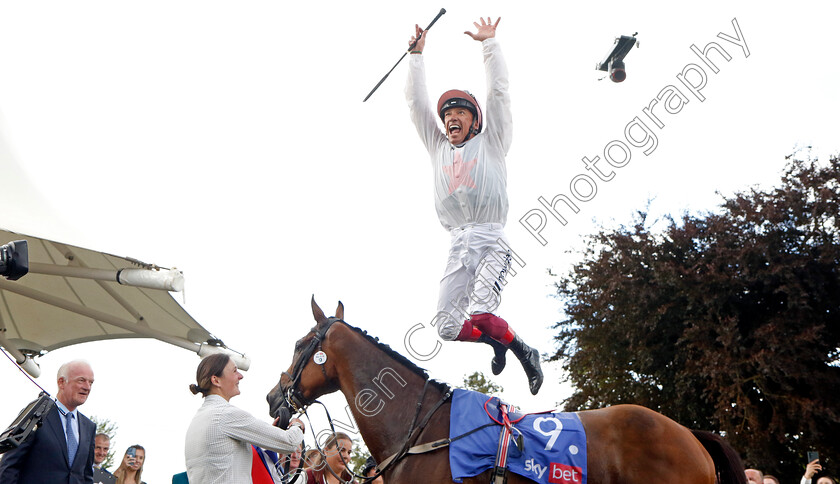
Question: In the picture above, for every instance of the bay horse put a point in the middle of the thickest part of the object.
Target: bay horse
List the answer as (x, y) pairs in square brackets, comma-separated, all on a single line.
[(396, 406)]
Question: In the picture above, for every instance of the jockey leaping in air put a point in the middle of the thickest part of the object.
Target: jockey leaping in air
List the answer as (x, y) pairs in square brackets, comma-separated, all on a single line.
[(470, 178)]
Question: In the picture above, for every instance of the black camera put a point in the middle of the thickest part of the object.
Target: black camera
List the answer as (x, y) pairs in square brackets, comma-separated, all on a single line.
[(14, 260), (26, 423), (614, 61)]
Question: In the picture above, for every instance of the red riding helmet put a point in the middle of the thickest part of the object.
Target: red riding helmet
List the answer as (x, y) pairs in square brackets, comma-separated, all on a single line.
[(454, 98)]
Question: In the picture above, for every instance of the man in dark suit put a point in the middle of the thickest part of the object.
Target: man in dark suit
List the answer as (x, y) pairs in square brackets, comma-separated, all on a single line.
[(61, 450), (100, 454)]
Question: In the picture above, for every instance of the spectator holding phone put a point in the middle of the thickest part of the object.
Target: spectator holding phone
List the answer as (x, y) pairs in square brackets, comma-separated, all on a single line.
[(812, 469), (131, 467)]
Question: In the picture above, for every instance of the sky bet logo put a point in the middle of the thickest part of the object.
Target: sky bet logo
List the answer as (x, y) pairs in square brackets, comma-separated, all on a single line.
[(559, 473), (563, 474)]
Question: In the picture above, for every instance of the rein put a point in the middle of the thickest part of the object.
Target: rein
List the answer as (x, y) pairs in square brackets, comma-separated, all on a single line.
[(427, 447)]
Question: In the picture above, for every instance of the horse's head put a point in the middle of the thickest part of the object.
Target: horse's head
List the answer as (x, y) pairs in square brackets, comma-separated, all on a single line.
[(312, 372)]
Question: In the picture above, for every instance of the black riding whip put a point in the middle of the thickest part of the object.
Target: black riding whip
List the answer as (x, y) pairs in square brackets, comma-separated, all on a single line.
[(414, 44)]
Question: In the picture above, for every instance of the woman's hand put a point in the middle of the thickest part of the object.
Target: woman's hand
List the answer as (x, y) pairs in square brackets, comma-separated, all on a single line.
[(297, 421)]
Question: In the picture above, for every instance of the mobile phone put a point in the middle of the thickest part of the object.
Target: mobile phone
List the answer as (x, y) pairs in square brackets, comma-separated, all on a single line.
[(813, 455), (131, 452)]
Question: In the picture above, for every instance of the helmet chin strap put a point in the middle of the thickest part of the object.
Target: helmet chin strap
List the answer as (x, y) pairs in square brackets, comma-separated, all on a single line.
[(473, 131)]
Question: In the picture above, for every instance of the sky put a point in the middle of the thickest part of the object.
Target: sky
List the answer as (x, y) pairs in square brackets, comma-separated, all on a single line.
[(230, 140)]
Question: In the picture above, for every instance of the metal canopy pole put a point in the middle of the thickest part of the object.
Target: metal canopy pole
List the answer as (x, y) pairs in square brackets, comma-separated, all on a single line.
[(170, 280), (24, 361)]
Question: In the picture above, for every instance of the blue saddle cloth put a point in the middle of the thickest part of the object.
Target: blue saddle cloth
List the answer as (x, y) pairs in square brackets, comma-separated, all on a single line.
[(554, 443)]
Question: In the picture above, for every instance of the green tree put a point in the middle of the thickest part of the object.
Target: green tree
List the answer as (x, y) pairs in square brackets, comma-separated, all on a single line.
[(105, 426), (726, 321), (358, 457), (479, 383)]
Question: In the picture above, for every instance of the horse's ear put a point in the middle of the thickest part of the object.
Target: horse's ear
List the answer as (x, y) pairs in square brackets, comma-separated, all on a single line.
[(339, 311), (316, 312)]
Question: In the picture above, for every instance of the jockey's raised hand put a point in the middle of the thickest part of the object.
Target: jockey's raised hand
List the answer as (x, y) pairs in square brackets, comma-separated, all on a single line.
[(418, 34), (486, 30)]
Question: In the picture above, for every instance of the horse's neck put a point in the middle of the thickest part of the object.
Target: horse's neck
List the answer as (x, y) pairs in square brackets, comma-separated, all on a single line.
[(382, 394)]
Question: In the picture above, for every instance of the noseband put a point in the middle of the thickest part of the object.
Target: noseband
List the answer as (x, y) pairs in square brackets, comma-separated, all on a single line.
[(293, 396)]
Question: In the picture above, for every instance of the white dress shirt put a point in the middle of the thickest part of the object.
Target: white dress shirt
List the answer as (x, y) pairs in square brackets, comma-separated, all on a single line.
[(218, 443)]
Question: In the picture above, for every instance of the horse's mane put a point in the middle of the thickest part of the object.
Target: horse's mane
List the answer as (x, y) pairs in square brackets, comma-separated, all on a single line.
[(442, 387)]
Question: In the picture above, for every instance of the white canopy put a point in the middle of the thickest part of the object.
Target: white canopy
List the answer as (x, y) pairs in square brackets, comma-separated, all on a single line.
[(74, 295)]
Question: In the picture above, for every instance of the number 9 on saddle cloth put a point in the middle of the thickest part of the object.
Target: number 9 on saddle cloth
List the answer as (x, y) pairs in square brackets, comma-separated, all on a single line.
[(554, 443)]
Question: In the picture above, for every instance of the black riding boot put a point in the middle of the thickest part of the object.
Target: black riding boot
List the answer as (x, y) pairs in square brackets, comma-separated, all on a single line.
[(499, 360), (530, 359)]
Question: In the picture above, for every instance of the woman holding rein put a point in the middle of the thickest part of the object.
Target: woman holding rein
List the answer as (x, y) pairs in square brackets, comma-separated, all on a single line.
[(218, 443)]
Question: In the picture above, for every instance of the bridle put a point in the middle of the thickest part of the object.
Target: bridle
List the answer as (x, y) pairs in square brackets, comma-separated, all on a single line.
[(294, 398)]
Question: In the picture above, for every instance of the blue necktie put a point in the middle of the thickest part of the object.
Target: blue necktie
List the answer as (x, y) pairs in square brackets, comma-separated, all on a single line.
[(72, 443)]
